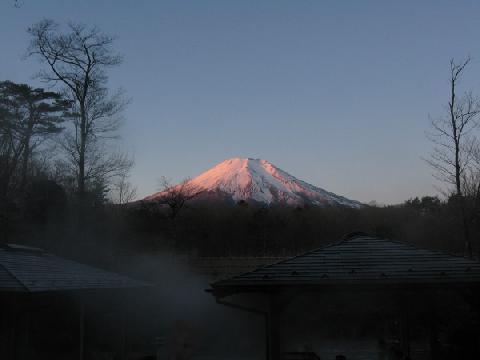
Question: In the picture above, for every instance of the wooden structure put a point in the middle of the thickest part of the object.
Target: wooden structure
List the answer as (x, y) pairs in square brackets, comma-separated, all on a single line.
[(377, 278), (32, 280)]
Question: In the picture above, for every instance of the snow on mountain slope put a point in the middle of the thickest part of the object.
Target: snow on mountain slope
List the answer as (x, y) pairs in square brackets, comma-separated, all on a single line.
[(259, 181)]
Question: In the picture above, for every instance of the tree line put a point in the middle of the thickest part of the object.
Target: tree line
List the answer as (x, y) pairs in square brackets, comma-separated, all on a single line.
[(65, 134), (203, 229)]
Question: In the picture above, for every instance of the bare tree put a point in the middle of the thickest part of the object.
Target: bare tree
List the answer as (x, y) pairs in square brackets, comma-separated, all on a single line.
[(176, 196), (123, 191), (456, 145), (452, 133), (77, 60)]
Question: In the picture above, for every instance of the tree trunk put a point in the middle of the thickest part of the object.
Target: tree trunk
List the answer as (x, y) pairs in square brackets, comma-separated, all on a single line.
[(82, 148), (456, 133), (26, 158), (26, 147), (456, 137)]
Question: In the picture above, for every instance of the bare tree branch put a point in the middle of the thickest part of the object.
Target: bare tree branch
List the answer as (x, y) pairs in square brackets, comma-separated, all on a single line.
[(78, 59)]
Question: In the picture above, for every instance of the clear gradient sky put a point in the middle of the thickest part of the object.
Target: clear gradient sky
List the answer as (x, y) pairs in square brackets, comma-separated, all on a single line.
[(337, 93)]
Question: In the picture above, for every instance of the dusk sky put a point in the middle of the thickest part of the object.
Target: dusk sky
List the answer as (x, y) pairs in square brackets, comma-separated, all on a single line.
[(337, 93)]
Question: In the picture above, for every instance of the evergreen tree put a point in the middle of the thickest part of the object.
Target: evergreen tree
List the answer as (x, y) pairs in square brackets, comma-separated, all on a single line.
[(28, 116)]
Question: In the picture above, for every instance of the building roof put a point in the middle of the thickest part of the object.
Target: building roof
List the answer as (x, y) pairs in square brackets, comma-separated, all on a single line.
[(26, 269), (360, 260), (219, 268)]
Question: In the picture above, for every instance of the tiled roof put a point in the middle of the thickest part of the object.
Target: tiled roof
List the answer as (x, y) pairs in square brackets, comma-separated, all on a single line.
[(33, 270), (226, 267), (362, 260)]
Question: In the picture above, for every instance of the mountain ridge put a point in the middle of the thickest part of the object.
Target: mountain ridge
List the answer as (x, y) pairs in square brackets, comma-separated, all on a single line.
[(257, 180)]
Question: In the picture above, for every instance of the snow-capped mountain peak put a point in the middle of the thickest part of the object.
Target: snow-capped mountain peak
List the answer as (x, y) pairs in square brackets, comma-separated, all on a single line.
[(259, 181)]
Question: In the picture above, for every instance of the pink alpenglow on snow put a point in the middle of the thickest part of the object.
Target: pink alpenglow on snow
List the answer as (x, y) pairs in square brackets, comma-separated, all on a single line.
[(255, 180)]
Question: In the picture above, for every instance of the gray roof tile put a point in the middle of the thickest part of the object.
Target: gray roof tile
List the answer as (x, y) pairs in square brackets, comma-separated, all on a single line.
[(32, 270), (362, 260)]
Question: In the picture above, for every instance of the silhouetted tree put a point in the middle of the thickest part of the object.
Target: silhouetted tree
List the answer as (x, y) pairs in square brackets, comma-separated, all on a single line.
[(176, 196), (426, 204), (38, 114), (455, 142), (77, 59), (452, 134), (123, 191), (30, 117), (10, 152)]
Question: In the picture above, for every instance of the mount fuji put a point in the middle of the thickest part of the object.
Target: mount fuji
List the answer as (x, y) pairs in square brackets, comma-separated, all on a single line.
[(256, 181)]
